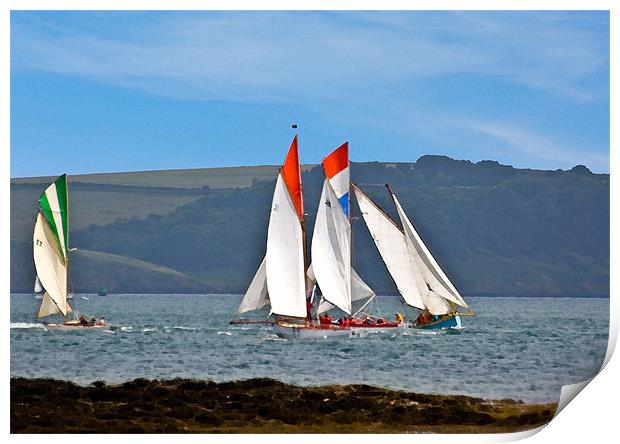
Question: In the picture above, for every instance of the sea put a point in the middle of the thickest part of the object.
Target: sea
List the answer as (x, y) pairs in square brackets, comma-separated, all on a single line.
[(518, 348)]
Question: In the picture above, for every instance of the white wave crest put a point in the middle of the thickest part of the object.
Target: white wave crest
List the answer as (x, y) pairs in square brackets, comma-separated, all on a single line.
[(27, 325)]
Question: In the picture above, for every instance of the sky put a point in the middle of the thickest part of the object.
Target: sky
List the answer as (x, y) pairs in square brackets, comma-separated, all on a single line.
[(105, 91)]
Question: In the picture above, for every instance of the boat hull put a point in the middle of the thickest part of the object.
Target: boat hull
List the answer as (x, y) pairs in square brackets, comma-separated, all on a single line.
[(74, 325), (451, 322), (251, 322), (314, 331)]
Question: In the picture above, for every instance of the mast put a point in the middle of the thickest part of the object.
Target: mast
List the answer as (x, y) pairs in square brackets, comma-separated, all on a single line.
[(67, 246), (302, 218)]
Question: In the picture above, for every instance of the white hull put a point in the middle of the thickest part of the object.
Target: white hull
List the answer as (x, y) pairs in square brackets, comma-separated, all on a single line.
[(302, 332), (290, 330)]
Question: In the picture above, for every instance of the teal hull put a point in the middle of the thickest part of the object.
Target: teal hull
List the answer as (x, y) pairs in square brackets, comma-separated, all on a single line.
[(450, 322)]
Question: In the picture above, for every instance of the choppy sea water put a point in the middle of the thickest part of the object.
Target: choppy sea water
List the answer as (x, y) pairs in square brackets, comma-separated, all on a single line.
[(519, 348)]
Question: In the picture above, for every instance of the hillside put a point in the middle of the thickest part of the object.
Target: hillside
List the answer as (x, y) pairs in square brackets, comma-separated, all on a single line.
[(92, 270), (495, 229)]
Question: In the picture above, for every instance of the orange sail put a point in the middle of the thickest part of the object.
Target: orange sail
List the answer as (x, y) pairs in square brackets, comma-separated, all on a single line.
[(291, 173)]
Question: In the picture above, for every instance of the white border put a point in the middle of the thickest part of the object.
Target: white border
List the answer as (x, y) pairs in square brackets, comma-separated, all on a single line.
[(588, 419)]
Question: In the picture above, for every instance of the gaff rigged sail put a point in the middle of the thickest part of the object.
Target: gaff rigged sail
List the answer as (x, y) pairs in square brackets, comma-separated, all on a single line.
[(331, 250), (280, 279)]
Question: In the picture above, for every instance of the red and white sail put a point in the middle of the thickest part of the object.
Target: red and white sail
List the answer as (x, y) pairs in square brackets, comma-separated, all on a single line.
[(331, 240), (280, 279)]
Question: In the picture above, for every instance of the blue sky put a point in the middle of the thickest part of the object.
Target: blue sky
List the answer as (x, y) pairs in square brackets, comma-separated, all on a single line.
[(127, 91)]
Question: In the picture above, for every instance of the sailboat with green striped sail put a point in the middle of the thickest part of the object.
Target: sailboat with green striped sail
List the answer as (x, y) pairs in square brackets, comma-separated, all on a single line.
[(51, 258)]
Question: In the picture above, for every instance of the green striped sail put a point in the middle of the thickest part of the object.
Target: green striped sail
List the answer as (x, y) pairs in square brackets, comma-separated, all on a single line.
[(54, 204)]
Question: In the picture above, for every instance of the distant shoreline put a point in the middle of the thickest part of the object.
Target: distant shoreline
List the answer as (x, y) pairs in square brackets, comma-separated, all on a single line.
[(256, 406)]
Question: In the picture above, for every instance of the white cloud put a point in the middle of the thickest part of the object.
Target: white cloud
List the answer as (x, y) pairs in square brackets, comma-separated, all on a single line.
[(316, 60), (288, 56), (540, 146)]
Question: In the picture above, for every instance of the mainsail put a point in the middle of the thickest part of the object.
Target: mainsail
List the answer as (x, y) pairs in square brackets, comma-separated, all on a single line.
[(280, 279), (390, 242), (331, 250), (436, 282), (51, 266), (417, 275), (331, 241), (285, 256)]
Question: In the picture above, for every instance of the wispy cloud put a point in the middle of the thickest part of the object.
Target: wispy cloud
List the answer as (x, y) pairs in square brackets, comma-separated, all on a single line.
[(355, 69), (287, 56), (540, 146)]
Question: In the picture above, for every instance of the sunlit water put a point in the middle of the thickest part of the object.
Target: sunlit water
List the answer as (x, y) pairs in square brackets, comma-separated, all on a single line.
[(514, 348)]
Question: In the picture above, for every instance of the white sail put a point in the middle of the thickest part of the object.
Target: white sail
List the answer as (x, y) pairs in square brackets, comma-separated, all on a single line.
[(50, 264), (331, 250), (37, 285), (285, 256), (256, 295), (310, 282), (436, 282), (392, 246), (359, 290), (48, 307)]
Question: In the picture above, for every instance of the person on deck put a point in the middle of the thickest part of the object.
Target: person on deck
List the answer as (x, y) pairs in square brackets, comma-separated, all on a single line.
[(325, 319), (423, 318)]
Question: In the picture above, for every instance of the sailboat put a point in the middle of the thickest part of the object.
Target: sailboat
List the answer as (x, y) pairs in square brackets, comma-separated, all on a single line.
[(418, 277), (51, 257), (331, 250), (283, 280), (280, 280)]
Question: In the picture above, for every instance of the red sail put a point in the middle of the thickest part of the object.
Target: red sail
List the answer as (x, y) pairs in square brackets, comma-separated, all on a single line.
[(291, 173)]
